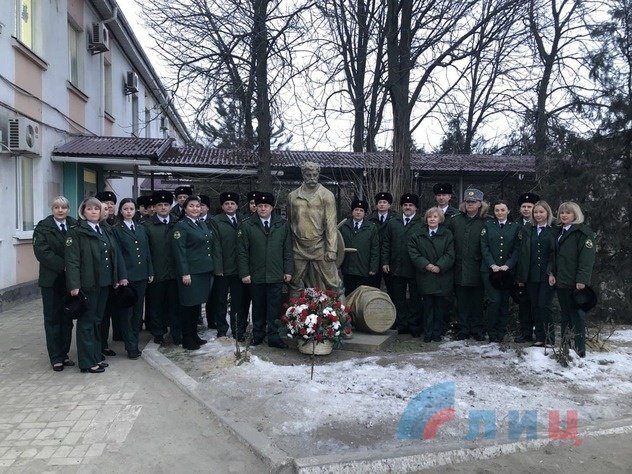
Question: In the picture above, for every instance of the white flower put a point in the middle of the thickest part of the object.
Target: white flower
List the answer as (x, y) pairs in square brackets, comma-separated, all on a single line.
[(336, 325)]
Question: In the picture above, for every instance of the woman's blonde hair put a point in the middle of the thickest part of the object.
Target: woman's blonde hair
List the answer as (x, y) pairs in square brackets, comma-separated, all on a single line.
[(60, 201), (549, 213), (91, 201), (570, 206), (482, 211), (434, 210)]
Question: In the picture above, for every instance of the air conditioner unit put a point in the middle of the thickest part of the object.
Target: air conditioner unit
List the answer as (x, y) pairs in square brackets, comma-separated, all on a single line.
[(131, 83), (100, 39), (164, 123), (24, 136)]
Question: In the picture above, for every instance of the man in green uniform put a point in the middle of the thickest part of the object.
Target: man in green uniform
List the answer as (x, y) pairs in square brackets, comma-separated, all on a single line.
[(163, 290), (443, 195), (381, 217), (362, 235), (466, 228), (397, 265), (181, 193), (265, 262)]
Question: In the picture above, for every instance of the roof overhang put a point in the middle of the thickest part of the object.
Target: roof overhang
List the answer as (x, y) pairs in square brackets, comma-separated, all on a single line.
[(101, 160)]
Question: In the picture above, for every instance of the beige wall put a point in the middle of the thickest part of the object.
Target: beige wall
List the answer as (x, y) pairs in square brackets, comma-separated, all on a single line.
[(25, 263), (29, 76)]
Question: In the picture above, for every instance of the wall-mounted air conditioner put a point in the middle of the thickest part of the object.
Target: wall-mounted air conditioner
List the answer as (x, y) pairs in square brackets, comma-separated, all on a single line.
[(131, 83), (25, 136), (99, 39)]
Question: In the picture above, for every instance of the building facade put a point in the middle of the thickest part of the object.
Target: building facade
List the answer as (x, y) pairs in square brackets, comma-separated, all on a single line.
[(69, 68)]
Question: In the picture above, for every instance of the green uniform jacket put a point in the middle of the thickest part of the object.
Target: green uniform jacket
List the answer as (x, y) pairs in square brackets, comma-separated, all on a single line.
[(265, 257), (135, 250), (467, 246), (438, 250), (83, 257), (575, 256), (49, 246), (395, 245), (195, 248), (544, 246), (450, 212), (367, 258), (159, 238), (499, 246), (175, 212), (227, 237), (381, 227)]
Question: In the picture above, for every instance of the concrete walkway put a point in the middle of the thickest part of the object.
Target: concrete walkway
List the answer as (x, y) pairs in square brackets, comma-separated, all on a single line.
[(128, 419)]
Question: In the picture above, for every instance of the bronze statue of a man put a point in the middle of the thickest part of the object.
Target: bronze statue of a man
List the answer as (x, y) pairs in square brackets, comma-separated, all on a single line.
[(312, 215)]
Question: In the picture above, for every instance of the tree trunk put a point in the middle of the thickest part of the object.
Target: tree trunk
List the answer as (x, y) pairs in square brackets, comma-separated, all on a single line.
[(260, 45)]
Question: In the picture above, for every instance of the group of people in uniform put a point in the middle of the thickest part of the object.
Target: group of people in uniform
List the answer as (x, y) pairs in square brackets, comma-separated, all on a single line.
[(480, 256), (164, 261)]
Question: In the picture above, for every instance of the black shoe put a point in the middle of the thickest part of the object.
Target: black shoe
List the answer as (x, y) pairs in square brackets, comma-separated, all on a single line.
[(437, 339), (159, 340), (190, 344), (103, 365), (93, 370), (279, 344), (133, 355), (69, 363), (256, 342), (403, 331), (461, 337), (198, 340), (415, 333), (212, 325), (427, 339), (478, 337), (221, 334), (177, 340), (58, 367), (108, 352)]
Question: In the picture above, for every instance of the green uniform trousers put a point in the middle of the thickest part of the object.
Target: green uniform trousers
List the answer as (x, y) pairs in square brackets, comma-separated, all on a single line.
[(88, 328), (497, 310), (541, 297), (58, 328), (573, 319), (469, 303), (130, 318)]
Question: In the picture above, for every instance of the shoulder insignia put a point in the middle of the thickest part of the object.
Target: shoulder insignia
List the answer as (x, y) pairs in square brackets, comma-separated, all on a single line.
[(483, 231), (68, 241), (589, 244), (176, 234)]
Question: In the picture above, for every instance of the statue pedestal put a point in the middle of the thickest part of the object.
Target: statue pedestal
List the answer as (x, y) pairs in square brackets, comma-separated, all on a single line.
[(363, 342)]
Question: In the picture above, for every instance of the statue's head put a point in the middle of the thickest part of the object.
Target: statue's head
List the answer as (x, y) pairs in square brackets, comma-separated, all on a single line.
[(310, 172)]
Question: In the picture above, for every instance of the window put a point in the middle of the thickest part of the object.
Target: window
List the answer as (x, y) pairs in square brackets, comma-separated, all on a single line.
[(107, 84), (74, 56), (135, 123), (89, 183), (25, 218), (25, 30)]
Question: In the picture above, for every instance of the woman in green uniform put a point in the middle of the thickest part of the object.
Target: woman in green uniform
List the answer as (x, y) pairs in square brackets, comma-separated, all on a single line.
[(49, 239), (500, 254), (92, 264), (134, 245), (197, 255), (572, 270), (432, 254), (537, 247)]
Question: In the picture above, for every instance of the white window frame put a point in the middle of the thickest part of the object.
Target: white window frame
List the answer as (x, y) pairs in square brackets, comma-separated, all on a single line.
[(30, 40), (25, 202), (107, 86), (75, 41)]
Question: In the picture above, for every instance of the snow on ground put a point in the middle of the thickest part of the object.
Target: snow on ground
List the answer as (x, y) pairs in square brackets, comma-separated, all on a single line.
[(358, 402), (622, 335)]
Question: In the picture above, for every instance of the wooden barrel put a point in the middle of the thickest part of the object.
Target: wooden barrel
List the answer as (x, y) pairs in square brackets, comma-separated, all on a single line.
[(373, 311)]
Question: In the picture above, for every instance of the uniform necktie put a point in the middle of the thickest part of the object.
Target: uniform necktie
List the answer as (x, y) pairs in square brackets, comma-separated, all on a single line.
[(235, 221), (63, 228), (432, 233), (502, 225), (132, 227), (382, 219), (98, 229), (407, 221), (198, 223), (540, 229), (164, 221), (266, 226), (562, 234), (355, 227)]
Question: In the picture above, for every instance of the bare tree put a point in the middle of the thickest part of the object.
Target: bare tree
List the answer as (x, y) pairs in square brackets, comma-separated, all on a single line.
[(241, 47)]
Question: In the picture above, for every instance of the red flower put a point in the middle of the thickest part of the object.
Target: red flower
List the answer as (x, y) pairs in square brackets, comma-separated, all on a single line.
[(347, 330), (302, 331)]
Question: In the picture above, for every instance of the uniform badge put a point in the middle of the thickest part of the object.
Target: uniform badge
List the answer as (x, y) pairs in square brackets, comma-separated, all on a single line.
[(239, 233), (483, 232), (68, 241), (176, 234), (589, 244)]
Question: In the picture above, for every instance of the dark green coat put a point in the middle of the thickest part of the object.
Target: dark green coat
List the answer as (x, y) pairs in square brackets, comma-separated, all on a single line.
[(159, 237), (135, 250), (381, 227), (227, 237), (536, 254), (175, 212), (49, 246), (450, 212), (195, 248), (84, 253), (467, 246), (575, 256), (265, 257), (395, 246), (499, 246), (437, 250), (367, 258)]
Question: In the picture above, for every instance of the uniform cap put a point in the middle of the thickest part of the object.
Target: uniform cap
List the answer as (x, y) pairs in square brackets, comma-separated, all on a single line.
[(106, 196), (183, 190), (442, 188), (228, 196), (528, 197), (472, 195), (162, 196), (264, 198), (360, 203), (411, 198), (204, 199), (252, 195), (384, 196)]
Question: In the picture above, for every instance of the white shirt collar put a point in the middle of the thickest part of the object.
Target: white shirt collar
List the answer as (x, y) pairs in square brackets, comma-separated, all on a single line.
[(59, 224), (502, 222), (410, 218), (192, 220), (382, 214), (129, 224), (358, 222), (432, 230), (566, 227), (162, 219), (443, 209), (263, 221), (94, 226)]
